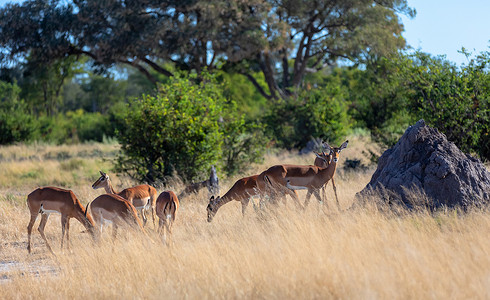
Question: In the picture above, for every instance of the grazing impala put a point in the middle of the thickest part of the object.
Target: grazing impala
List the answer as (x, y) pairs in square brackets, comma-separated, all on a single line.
[(166, 208), (46, 200), (111, 208), (288, 178), (242, 191), (322, 160), (246, 188), (143, 197)]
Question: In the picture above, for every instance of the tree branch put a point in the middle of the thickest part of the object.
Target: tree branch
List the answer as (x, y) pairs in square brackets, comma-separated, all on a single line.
[(157, 68), (140, 68), (257, 85)]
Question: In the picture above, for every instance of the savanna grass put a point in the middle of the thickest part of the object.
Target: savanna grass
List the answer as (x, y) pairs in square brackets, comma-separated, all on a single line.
[(356, 252)]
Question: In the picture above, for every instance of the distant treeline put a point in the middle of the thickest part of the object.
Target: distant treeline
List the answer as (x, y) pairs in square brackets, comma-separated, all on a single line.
[(186, 84)]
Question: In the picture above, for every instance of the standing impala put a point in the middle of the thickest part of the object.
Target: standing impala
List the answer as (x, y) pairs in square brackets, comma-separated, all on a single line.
[(143, 197), (288, 178), (46, 200), (322, 160), (246, 188), (166, 208), (111, 208)]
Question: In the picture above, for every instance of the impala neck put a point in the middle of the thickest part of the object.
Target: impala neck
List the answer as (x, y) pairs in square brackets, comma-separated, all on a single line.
[(84, 218), (328, 172), (222, 201), (108, 187)]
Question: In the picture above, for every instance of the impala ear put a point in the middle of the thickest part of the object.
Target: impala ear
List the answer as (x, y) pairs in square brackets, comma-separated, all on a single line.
[(327, 147), (344, 145)]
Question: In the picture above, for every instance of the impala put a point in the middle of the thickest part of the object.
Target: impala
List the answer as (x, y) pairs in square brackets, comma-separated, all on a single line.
[(166, 208), (111, 208), (322, 160), (46, 200), (143, 197), (288, 178), (246, 188), (242, 190)]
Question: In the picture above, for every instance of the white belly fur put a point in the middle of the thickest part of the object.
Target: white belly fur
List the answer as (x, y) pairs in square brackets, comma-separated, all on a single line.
[(295, 187), (144, 200)]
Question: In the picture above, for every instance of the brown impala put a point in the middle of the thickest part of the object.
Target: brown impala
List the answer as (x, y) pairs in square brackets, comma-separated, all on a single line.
[(110, 208), (242, 190), (166, 208), (46, 200), (288, 178), (246, 188), (143, 196), (322, 160)]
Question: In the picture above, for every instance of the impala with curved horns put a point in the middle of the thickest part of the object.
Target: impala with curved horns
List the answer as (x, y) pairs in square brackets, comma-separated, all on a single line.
[(111, 208), (166, 208), (143, 196), (46, 200), (288, 178), (246, 188), (322, 160)]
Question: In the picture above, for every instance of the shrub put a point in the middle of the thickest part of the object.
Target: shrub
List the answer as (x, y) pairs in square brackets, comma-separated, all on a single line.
[(187, 127), (16, 124), (317, 113)]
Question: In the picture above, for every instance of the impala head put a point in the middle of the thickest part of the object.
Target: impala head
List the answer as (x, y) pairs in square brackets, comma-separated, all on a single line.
[(101, 182), (212, 207), (335, 151), (324, 158)]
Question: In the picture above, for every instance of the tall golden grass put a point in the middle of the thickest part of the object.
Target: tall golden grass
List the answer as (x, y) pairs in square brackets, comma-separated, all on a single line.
[(275, 253)]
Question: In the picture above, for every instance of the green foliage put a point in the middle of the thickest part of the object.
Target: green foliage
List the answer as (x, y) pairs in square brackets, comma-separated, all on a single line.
[(379, 98), (251, 35), (454, 100), (187, 127), (42, 84), (317, 113), (16, 122)]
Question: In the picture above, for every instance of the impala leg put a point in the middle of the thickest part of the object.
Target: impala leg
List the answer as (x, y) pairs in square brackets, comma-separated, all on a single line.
[(324, 193), (44, 220), (29, 231), (64, 220), (307, 199), (114, 231), (143, 216), (153, 213), (319, 198), (294, 196), (68, 233), (244, 206), (160, 226), (335, 191)]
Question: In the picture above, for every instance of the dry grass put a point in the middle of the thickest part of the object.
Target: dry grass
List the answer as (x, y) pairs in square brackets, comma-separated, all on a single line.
[(273, 254)]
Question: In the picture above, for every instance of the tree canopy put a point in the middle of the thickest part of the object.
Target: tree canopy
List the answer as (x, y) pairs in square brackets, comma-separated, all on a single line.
[(281, 39)]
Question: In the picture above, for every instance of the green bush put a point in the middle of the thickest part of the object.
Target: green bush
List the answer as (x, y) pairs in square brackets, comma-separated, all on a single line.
[(16, 123), (317, 113), (187, 127), (454, 100), (87, 126)]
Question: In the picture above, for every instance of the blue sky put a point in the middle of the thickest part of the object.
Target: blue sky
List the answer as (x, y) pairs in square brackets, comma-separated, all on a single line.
[(443, 27)]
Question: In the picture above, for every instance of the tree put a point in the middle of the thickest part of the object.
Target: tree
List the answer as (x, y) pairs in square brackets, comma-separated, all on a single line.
[(282, 39), (43, 84)]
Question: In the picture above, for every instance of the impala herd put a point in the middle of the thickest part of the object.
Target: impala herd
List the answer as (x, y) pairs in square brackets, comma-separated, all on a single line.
[(121, 209)]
